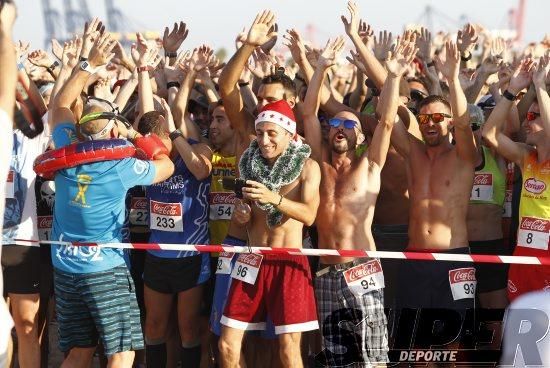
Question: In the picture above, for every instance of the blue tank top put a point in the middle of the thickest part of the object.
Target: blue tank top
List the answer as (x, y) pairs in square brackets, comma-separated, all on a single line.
[(178, 211)]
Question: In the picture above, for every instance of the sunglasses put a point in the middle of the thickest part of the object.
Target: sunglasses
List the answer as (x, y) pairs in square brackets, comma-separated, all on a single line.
[(436, 117), (336, 123), (532, 115)]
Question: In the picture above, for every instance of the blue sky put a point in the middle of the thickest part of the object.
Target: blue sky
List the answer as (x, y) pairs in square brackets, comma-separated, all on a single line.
[(217, 22)]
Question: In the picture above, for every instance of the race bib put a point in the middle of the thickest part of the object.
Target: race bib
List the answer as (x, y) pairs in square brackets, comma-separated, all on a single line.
[(224, 263), (246, 268), (463, 283), (139, 214), (534, 233), (507, 207), (483, 187), (365, 277), (10, 191), (166, 216), (221, 205), (44, 227)]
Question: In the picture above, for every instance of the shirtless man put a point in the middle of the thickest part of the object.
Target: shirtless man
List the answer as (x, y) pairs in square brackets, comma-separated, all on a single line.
[(349, 188), (440, 177), (533, 158), (282, 194)]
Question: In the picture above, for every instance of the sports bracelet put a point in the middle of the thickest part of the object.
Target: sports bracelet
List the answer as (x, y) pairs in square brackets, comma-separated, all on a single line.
[(175, 134), (280, 201), (171, 54), (243, 84), (509, 95), (172, 84), (466, 58)]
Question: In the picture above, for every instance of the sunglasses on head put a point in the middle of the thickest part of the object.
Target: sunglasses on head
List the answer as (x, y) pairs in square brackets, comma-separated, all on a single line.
[(436, 117), (531, 115), (336, 123)]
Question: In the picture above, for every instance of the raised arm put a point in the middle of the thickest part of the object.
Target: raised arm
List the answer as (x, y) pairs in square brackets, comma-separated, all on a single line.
[(312, 126), (465, 142), (143, 54), (539, 80), (493, 130), (8, 70), (69, 60), (260, 32), (374, 68), (100, 54), (397, 64)]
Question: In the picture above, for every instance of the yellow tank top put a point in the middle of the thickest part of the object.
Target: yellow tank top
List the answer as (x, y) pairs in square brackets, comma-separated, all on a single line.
[(534, 206), (489, 182), (221, 200)]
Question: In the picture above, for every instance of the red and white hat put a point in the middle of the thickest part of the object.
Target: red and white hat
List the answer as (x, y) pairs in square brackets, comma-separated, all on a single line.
[(279, 113)]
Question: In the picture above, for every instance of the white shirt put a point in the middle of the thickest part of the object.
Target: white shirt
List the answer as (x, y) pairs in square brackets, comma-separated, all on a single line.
[(20, 220)]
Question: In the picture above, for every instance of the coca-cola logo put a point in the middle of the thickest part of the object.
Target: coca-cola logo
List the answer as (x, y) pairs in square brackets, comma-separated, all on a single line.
[(463, 275), (226, 255), (250, 259), (508, 196), (535, 224), (167, 209), (222, 198), (139, 203), (45, 222), (535, 186), (483, 179), (366, 269)]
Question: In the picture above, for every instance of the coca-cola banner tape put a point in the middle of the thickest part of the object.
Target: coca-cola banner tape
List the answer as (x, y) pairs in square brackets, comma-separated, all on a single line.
[(358, 253)]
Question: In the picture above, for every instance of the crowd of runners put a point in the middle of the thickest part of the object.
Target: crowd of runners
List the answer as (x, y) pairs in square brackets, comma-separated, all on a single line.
[(433, 143)]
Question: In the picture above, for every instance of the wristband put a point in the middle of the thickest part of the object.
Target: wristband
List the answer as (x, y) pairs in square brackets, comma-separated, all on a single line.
[(280, 201), (145, 68), (430, 64), (175, 134), (85, 66), (172, 84), (171, 54), (20, 66), (131, 135), (52, 67), (243, 84), (82, 58), (509, 96), (466, 58)]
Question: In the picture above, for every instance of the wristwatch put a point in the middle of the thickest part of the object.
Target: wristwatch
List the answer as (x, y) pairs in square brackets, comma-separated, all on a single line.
[(466, 58), (84, 65), (509, 95), (175, 134)]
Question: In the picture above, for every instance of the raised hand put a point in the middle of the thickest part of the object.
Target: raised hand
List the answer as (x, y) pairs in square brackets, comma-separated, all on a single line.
[(294, 44), (268, 46), (101, 52), (522, 76), (143, 53), (424, 43), (262, 29), (57, 49), (498, 47), (263, 64), (352, 26), (490, 65), (201, 58), (400, 60), (365, 32), (466, 39), (540, 75), (40, 58), (355, 59), (451, 66), (382, 45), (330, 53), (21, 49), (312, 55), (92, 30), (172, 40), (70, 52)]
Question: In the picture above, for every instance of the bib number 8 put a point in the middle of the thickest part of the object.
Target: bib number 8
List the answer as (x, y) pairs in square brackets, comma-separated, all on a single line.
[(241, 271), (529, 239), (165, 223)]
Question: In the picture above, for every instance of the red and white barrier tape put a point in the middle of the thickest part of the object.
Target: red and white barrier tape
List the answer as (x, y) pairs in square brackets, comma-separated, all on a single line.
[(422, 256)]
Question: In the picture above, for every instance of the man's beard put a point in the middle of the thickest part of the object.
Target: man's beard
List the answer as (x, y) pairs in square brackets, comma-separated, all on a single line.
[(344, 146)]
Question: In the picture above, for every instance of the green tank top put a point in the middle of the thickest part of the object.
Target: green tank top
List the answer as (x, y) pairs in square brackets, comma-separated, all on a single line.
[(489, 182)]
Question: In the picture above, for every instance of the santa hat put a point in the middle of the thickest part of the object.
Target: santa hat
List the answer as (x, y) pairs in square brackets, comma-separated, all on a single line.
[(279, 113)]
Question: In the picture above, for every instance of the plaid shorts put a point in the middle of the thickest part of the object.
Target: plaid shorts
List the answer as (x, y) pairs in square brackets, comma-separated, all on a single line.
[(98, 305), (354, 328)]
